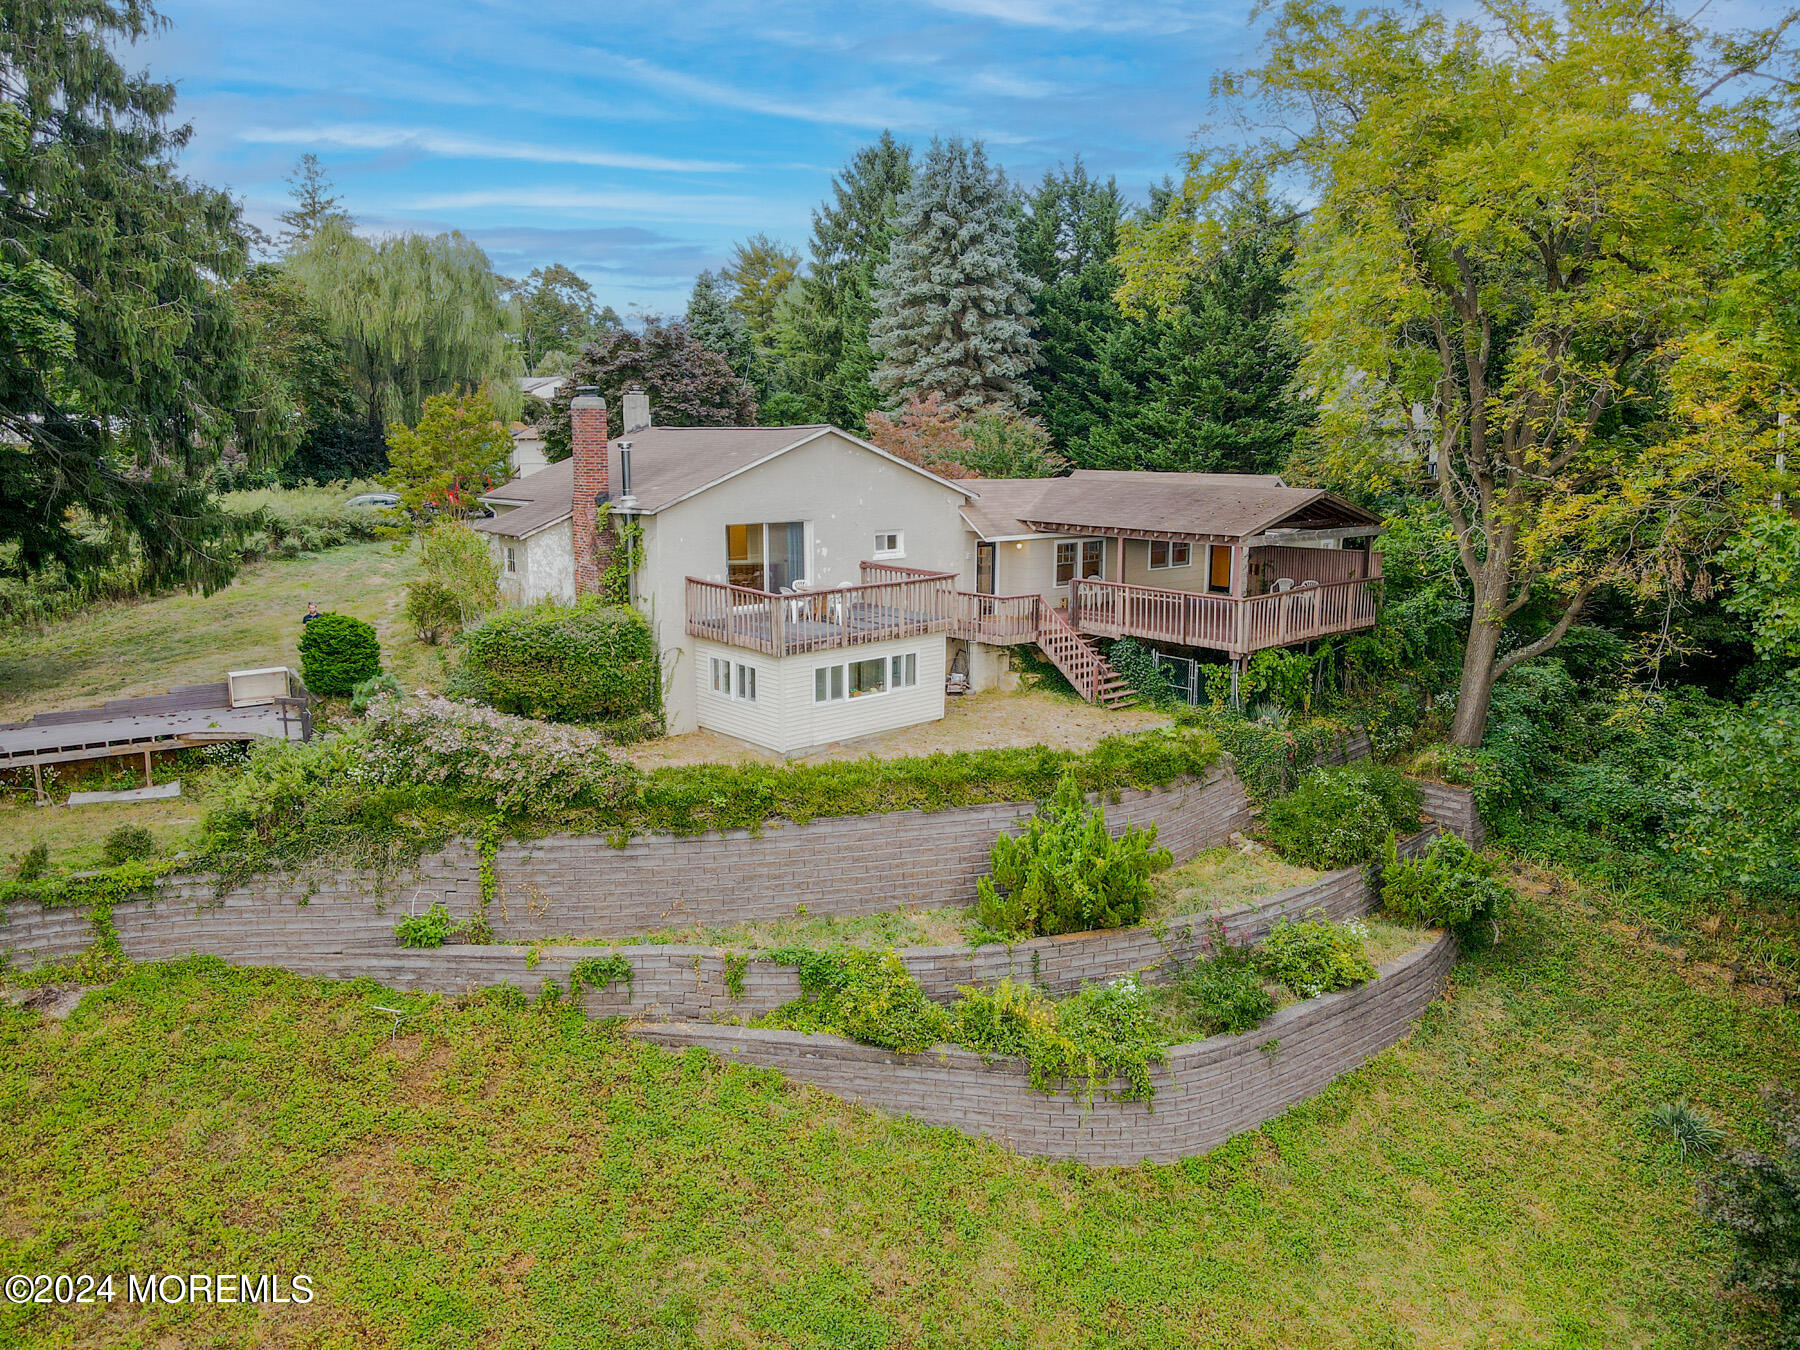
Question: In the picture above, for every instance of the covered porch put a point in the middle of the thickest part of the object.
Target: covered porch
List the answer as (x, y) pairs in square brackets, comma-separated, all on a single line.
[(1235, 569)]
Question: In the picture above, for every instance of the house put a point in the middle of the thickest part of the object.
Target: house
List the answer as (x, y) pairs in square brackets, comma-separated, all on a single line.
[(807, 587)]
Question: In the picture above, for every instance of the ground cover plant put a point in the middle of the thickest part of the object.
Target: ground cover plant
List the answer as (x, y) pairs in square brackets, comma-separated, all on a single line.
[(1316, 955), (1487, 1182)]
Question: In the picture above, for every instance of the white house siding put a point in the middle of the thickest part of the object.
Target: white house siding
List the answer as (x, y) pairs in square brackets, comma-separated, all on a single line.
[(785, 718), (544, 563), (844, 494)]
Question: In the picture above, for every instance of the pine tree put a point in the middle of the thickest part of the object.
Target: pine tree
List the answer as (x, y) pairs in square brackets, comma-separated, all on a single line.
[(1066, 243), (124, 369), (1207, 387), (825, 335), (315, 204), (953, 307), (715, 325), (759, 271)]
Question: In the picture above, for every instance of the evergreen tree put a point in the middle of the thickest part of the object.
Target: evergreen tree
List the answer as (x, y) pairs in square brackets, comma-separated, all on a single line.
[(301, 389), (715, 325), (824, 332), (124, 369), (1067, 238), (1206, 387), (689, 385), (315, 204), (953, 308)]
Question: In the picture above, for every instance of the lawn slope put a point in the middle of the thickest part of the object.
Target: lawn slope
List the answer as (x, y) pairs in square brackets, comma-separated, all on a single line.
[(501, 1175)]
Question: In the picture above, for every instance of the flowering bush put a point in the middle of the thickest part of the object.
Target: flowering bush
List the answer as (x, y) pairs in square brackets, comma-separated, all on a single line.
[(1317, 956), (525, 767)]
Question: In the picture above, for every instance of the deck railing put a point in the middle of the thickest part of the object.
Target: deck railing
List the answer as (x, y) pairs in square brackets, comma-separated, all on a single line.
[(1220, 622), (807, 621), (1001, 620)]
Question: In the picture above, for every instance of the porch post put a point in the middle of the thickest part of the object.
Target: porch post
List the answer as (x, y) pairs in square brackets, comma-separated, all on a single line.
[(1120, 578), (1240, 567)]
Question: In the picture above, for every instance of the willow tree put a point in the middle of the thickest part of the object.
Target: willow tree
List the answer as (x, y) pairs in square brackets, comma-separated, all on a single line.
[(123, 370), (415, 314), (1524, 242)]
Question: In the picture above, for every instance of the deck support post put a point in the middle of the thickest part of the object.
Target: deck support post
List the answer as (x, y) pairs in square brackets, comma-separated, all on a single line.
[(151, 782), (1237, 670), (37, 782)]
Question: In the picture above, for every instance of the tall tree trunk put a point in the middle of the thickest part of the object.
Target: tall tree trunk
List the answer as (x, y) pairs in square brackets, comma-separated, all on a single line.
[(1477, 686)]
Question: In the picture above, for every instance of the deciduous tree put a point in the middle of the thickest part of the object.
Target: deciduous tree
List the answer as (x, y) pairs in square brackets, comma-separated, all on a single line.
[(689, 385), (557, 312), (761, 268), (1525, 225), (457, 451)]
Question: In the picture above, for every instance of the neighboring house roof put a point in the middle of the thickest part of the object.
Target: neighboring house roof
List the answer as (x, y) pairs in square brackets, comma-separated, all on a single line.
[(542, 386), (670, 464), (1215, 505)]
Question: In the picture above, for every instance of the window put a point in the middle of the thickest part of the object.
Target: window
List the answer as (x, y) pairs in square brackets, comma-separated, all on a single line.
[(766, 557), (860, 679), (1090, 554), (1218, 569), (512, 559), (890, 544), (1166, 553), (733, 680)]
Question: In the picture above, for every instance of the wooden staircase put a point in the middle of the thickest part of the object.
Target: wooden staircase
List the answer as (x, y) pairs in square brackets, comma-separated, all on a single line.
[(1081, 662)]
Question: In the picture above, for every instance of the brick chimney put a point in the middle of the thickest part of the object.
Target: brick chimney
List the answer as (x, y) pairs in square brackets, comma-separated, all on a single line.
[(587, 426)]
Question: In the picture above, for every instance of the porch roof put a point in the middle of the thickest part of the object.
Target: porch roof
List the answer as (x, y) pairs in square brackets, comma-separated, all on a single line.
[(1199, 506)]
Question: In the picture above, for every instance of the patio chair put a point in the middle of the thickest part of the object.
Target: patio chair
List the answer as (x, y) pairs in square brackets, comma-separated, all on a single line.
[(1282, 586)]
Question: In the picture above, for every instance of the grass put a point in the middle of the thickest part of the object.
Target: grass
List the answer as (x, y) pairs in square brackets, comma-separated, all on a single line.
[(124, 650), (1220, 878), (497, 1175)]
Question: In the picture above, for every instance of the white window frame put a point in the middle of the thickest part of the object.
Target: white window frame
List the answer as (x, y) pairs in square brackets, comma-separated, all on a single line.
[(1168, 564), (1077, 563), (735, 680), (896, 549), (900, 670), (512, 561)]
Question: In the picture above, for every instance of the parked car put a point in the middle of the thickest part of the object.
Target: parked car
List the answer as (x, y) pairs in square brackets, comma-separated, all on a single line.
[(375, 501)]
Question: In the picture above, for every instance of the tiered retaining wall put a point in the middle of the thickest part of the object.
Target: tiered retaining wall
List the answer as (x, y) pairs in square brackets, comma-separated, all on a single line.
[(337, 922), (1205, 1093)]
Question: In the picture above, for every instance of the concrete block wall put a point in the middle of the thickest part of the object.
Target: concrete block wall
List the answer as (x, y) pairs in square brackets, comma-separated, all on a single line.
[(580, 886), (1453, 807), (1205, 1093)]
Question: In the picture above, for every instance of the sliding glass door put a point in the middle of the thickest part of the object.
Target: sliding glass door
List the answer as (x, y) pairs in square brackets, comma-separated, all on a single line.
[(766, 556)]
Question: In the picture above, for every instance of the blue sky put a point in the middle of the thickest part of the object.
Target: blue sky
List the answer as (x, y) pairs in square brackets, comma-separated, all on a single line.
[(636, 141)]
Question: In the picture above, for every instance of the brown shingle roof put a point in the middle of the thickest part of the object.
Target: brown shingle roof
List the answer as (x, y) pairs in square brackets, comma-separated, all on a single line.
[(667, 464), (1218, 505)]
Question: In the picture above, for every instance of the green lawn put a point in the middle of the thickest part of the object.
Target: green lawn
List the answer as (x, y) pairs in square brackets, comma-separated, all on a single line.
[(118, 651), (502, 1176)]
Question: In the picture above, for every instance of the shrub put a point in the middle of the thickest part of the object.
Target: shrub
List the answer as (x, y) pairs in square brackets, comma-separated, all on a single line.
[(584, 662), (1103, 1033), (519, 766), (34, 862), (1316, 956), (368, 690), (1224, 995), (1341, 815), (1066, 874), (430, 929), (1448, 886), (1755, 1198), (128, 843), (337, 653), (458, 581)]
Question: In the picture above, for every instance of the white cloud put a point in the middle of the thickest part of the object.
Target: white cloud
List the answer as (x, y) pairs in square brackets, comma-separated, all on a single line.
[(618, 203), (363, 136), (1013, 86), (862, 108), (1072, 15)]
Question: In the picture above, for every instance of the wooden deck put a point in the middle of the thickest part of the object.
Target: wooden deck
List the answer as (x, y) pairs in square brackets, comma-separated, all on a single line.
[(1222, 622), (905, 605)]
